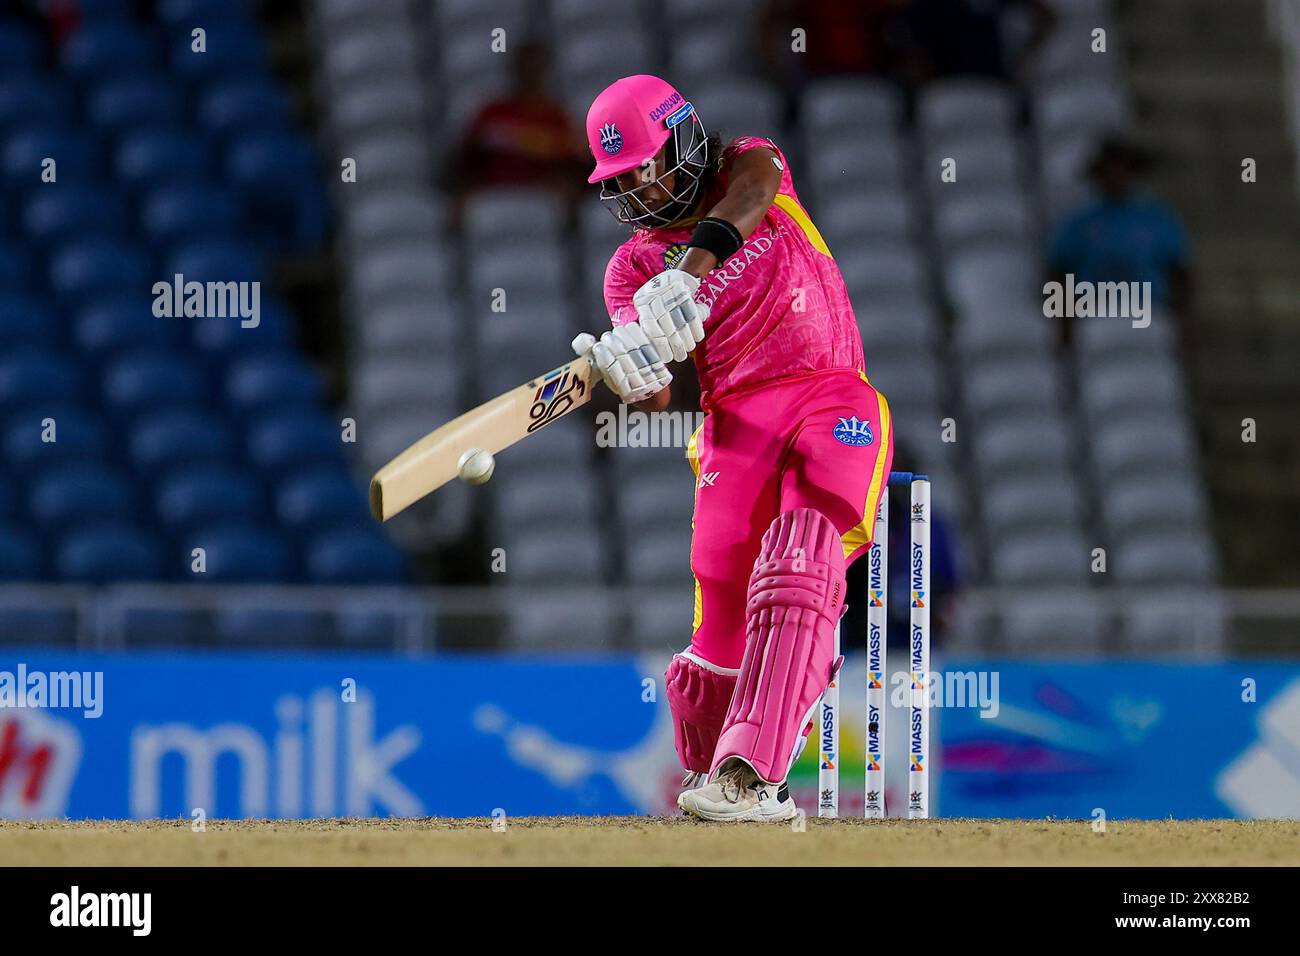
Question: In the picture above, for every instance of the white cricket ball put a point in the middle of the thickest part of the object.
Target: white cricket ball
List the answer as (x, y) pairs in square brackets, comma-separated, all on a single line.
[(476, 466)]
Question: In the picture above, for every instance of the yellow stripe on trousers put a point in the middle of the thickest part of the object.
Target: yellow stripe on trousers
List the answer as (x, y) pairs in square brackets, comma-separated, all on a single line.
[(860, 535)]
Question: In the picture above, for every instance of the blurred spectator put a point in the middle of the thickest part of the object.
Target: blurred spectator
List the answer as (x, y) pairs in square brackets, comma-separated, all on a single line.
[(840, 36), (1124, 234), (941, 38), (523, 138)]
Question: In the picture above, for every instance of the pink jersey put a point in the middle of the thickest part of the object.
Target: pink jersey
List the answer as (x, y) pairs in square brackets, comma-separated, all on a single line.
[(778, 307)]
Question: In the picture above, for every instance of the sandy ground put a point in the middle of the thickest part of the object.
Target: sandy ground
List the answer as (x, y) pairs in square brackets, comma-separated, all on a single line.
[(577, 841)]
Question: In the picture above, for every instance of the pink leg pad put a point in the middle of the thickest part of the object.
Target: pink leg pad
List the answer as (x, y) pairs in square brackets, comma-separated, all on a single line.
[(795, 598), (698, 695)]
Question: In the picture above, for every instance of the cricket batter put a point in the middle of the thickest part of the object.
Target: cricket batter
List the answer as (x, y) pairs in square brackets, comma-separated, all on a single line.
[(725, 266)]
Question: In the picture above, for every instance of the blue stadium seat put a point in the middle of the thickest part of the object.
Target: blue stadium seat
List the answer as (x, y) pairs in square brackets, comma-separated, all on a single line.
[(208, 496), (240, 104), (109, 48), (354, 556), (223, 338), (143, 381), (8, 499), (157, 157), (262, 627), (26, 320), (61, 211), (35, 99), (29, 376), (92, 11), (120, 323), (276, 173), (176, 438), (214, 260), (185, 14), (20, 555), (230, 51), (260, 382), (75, 153), (282, 442), (130, 102), (21, 49), (188, 212), (240, 555), (72, 495), (319, 498), (15, 268), (78, 437), (108, 553), (80, 270)]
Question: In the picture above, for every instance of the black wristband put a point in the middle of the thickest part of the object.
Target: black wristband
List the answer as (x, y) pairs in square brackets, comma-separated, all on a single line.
[(718, 237)]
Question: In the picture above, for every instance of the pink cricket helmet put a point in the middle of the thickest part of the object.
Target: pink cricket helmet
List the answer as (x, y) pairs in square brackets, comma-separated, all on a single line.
[(627, 124)]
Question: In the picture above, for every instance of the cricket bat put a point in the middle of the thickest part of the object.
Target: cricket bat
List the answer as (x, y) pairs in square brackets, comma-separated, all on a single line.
[(495, 425)]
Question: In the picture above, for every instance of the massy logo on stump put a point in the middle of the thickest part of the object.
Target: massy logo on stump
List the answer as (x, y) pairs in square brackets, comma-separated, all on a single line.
[(853, 431)]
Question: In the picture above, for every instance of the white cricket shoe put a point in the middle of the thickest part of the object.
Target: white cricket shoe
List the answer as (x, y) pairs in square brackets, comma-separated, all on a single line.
[(737, 795)]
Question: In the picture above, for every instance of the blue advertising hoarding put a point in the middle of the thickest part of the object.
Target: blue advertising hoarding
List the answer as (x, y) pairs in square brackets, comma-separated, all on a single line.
[(326, 736)]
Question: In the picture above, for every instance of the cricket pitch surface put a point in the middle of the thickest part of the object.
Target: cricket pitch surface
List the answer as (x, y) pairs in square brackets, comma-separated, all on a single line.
[(648, 841)]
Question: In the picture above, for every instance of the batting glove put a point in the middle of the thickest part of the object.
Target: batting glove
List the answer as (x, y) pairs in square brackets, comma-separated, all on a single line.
[(626, 360), (669, 315)]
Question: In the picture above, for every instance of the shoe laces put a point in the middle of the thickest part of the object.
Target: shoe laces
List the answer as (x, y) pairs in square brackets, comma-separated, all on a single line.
[(734, 780)]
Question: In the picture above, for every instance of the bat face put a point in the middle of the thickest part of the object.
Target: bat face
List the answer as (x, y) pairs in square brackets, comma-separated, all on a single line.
[(493, 426)]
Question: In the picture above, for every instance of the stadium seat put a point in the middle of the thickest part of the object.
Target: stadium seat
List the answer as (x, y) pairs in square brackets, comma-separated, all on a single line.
[(998, 386), (354, 556), (26, 320), (26, 150), (1052, 557), (949, 105), (230, 51), (261, 382), (239, 626), (59, 212), (168, 440), (506, 214), (15, 268), (277, 178), (28, 377), (223, 337), (548, 620), (109, 48), (1173, 557), (120, 105), (1029, 502), (84, 269), (214, 260), (189, 212), (241, 104), (77, 437), (151, 158), (281, 442), (238, 555), (78, 494), (145, 380), (182, 14), (22, 49), (556, 494), (122, 323), (319, 497), (1023, 445), (836, 104), (20, 555), (208, 495), (26, 101), (1150, 443), (108, 553)]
